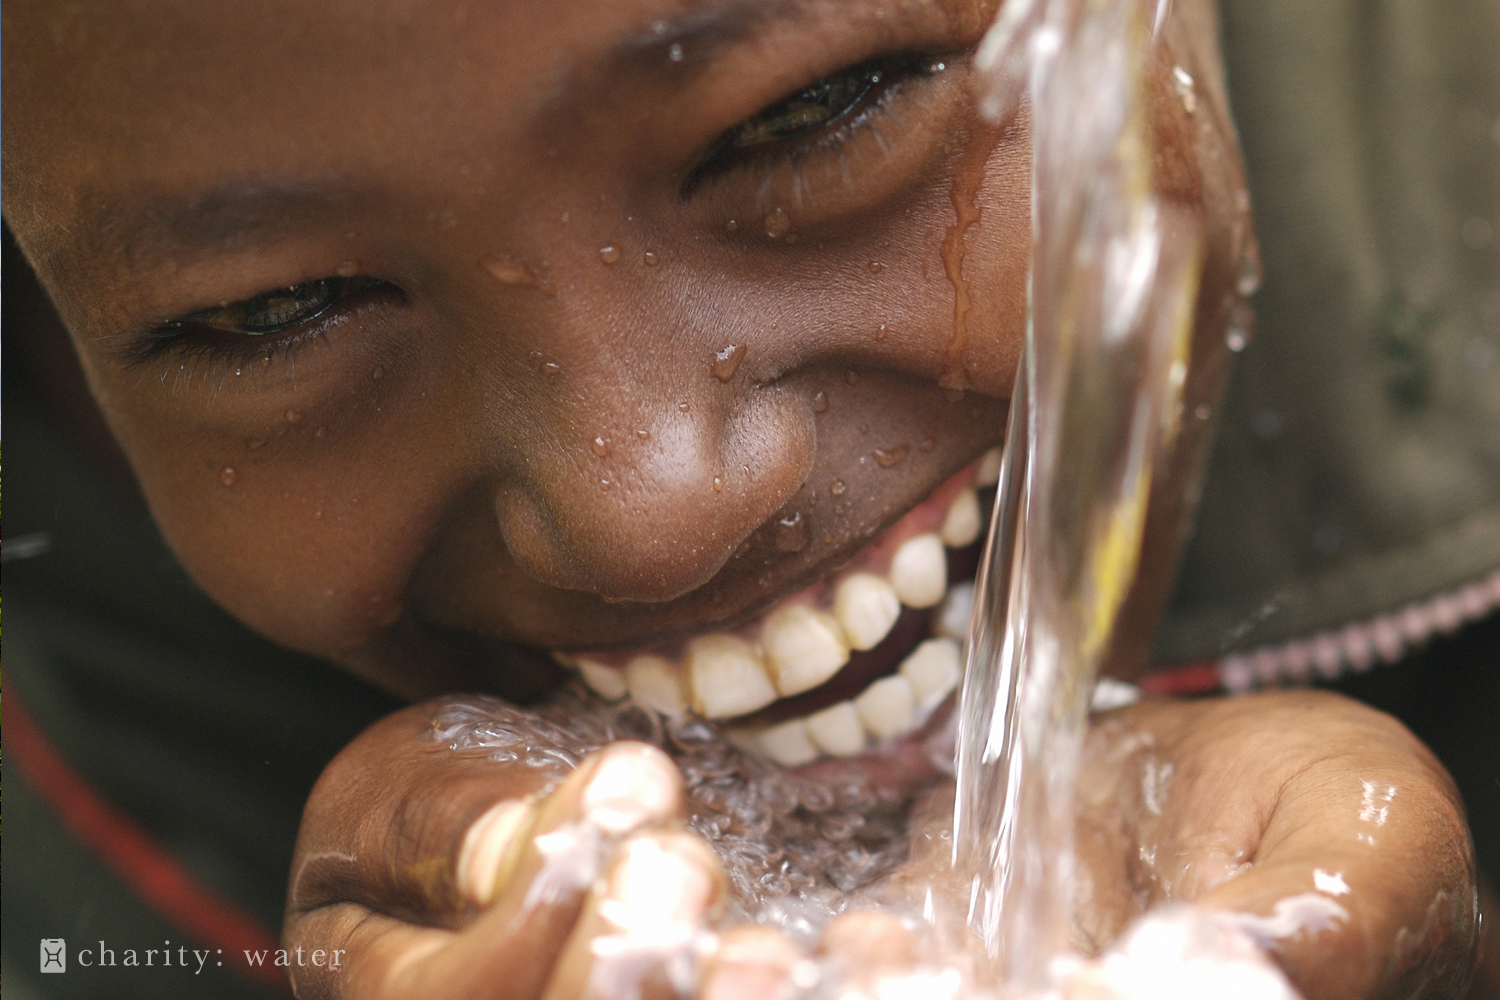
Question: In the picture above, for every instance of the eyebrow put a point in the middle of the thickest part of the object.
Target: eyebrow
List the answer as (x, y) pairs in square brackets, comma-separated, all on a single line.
[(701, 34), (225, 218)]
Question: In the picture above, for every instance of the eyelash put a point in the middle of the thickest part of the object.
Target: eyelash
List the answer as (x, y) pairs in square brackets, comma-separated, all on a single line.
[(198, 339), (890, 74), (195, 340)]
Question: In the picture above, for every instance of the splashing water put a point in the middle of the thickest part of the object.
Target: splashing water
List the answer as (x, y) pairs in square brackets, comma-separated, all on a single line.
[(1115, 274)]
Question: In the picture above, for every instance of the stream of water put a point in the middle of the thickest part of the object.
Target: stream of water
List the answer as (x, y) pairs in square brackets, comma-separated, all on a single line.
[(1114, 282)]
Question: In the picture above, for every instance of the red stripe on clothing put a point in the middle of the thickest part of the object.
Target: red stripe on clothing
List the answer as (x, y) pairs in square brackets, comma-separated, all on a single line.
[(131, 852), (1193, 678)]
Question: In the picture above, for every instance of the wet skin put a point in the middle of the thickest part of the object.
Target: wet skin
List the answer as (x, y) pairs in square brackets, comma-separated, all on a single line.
[(420, 460), (410, 479)]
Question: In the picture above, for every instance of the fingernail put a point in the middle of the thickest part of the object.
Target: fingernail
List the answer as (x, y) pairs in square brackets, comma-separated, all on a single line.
[(658, 882), (634, 786), (487, 844)]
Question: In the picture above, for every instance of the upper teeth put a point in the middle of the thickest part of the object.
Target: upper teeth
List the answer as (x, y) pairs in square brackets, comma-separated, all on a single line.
[(726, 677), (803, 647), (919, 571), (800, 647), (866, 607)]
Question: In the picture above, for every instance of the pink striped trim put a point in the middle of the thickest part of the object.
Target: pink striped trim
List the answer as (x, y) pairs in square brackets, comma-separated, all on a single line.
[(1358, 647)]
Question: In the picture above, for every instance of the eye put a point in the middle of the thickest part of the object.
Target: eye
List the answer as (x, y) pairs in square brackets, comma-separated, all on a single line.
[(261, 326), (271, 312), (823, 109), (809, 110)]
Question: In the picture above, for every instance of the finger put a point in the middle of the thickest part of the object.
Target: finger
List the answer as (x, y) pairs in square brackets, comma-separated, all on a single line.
[(751, 963), (638, 936), (530, 862)]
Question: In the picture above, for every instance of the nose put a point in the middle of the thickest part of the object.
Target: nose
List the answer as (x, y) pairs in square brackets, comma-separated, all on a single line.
[(645, 494)]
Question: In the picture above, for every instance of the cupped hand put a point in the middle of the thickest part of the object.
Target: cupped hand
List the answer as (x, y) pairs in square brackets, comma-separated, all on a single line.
[(422, 871)]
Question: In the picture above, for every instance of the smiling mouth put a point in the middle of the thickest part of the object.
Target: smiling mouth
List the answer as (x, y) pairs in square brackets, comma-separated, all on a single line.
[(854, 661)]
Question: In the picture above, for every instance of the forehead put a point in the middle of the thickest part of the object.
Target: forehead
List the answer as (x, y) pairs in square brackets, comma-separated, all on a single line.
[(204, 105)]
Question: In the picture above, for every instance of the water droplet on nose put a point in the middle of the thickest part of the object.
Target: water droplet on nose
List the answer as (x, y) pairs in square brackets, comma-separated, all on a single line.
[(792, 533), (888, 457), (876, 267), (864, 428), (378, 373), (650, 258), (733, 225), (551, 368), (609, 254), (1182, 82), (347, 269), (683, 406), (228, 476), (718, 485), (880, 332), (254, 443), (509, 271), (778, 224), (837, 488), (643, 434), (599, 447), (820, 403), (674, 52), (239, 371), (727, 361), (293, 417), (852, 377)]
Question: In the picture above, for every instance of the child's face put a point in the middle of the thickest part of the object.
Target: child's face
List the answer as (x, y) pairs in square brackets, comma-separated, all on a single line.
[(533, 241)]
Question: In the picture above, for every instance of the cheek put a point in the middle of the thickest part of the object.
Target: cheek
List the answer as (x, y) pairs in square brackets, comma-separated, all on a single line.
[(307, 541)]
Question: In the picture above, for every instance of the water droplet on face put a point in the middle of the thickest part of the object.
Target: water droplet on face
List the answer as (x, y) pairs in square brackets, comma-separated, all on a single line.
[(320, 432), (880, 332), (239, 371), (378, 373), (347, 269), (733, 225), (1235, 339), (888, 457), (228, 476), (1202, 412), (927, 445), (876, 267), (674, 52), (599, 447), (1182, 81), (852, 377), (718, 485), (778, 224), (650, 258), (727, 361), (254, 443), (864, 428), (643, 434), (293, 417), (509, 271), (792, 533), (820, 403), (551, 368), (683, 406), (604, 484), (610, 254), (838, 488)]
